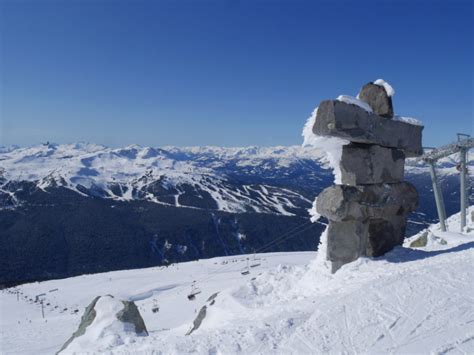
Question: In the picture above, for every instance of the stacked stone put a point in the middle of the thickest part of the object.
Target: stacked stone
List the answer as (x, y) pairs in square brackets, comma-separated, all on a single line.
[(367, 213)]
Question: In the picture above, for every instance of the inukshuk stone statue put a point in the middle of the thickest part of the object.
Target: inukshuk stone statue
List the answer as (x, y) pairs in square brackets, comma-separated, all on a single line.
[(367, 213)]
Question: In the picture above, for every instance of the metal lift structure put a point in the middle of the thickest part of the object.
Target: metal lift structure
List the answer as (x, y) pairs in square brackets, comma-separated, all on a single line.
[(462, 146)]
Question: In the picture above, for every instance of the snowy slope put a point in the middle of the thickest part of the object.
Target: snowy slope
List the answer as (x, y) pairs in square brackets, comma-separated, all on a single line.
[(409, 301)]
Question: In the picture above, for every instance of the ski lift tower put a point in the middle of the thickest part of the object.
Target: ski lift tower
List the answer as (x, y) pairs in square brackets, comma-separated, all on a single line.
[(463, 144)]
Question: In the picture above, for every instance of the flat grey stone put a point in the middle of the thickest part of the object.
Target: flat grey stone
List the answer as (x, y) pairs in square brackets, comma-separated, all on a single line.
[(377, 98), (346, 242), (371, 164), (339, 119), (346, 203)]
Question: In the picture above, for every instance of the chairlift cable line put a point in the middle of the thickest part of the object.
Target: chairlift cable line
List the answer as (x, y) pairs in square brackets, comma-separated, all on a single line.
[(292, 230), (288, 234), (213, 274)]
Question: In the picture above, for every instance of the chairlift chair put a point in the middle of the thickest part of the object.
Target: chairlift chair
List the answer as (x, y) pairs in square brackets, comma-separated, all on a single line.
[(255, 261), (246, 271), (194, 291)]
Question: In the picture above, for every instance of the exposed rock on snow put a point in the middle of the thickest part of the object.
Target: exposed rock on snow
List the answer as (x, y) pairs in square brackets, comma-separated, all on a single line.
[(106, 322)]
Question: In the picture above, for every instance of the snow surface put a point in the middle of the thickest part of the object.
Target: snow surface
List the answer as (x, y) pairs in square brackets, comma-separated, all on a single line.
[(388, 88), (409, 301)]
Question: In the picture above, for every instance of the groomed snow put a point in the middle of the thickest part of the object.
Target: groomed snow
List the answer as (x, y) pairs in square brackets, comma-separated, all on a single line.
[(409, 301)]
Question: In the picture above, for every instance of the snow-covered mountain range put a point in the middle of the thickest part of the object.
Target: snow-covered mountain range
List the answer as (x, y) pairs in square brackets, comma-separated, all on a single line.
[(143, 206), (225, 179)]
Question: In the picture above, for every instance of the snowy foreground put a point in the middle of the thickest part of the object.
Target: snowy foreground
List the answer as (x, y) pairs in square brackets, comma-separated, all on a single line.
[(409, 301)]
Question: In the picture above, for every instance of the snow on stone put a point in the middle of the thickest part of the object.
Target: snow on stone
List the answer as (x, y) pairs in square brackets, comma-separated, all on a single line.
[(106, 331), (331, 146), (388, 88), (355, 101), (408, 301), (409, 120), (315, 216)]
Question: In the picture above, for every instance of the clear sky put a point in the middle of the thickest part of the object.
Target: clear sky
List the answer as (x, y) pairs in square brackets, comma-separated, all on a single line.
[(222, 72)]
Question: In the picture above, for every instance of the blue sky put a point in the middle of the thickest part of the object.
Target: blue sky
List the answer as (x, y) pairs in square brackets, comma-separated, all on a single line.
[(229, 73)]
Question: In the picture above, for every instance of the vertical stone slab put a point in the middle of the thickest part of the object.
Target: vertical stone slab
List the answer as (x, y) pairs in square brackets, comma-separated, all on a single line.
[(363, 164), (377, 98), (346, 242)]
